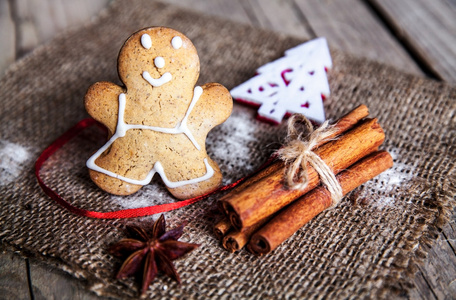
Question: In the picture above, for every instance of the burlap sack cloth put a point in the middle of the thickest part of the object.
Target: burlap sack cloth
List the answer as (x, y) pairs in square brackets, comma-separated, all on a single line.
[(366, 246)]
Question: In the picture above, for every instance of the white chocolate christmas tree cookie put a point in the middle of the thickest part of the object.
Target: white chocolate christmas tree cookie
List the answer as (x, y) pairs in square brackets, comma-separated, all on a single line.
[(291, 84), (159, 121)]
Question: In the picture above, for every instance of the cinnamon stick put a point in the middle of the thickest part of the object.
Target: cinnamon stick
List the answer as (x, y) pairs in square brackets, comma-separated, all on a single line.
[(267, 196), (301, 211), (348, 121), (344, 124), (222, 228), (235, 240)]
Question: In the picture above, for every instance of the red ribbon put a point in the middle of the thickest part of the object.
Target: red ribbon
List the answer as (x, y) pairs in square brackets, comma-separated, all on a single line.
[(120, 214)]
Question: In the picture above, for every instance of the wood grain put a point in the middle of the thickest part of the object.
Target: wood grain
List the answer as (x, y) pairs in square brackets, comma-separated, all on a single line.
[(231, 10), (421, 290), (348, 25), (49, 283), (280, 16), (7, 36), (441, 273), (37, 21), (451, 3), (428, 28), (450, 234), (13, 277)]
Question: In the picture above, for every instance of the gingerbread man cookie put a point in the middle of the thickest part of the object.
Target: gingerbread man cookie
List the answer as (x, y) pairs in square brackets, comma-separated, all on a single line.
[(159, 121)]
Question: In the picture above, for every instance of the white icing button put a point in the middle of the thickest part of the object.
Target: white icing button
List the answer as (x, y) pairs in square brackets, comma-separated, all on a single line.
[(159, 62), (146, 41), (176, 42)]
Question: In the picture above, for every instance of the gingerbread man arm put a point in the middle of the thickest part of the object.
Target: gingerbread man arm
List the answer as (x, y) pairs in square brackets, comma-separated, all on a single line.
[(102, 103), (212, 109)]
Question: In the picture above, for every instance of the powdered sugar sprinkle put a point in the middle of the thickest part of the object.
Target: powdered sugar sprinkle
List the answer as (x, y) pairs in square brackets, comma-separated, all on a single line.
[(12, 160), (143, 197), (392, 179)]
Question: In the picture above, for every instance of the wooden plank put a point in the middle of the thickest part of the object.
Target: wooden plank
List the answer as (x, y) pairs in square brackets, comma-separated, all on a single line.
[(44, 24), (50, 283), (13, 277), (81, 11), (40, 20), (421, 290), (450, 233), (278, 15), (428, 28), (436, 278), (440, 273), (231, 10), (7, 36), (350, 26), (35, 23), (451, 3)]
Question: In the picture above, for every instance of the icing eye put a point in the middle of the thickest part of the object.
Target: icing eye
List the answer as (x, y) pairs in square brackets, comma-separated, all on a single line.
[(176, 42), (146, 41), (159, 62)]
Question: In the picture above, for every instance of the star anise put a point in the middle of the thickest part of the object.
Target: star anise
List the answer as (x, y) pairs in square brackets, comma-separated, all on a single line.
[(149, 254)]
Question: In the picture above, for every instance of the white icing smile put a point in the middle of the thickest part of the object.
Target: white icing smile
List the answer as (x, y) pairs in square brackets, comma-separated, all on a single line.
[(166, 77)]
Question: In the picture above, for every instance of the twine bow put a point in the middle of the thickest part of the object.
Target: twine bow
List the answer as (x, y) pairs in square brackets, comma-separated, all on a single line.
[(297, 153)]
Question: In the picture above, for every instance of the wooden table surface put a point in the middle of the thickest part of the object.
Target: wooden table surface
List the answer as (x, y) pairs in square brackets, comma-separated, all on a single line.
[(417, 36)]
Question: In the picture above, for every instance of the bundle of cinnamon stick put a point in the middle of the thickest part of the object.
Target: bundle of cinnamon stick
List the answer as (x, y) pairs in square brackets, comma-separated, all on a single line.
[(264, 211)]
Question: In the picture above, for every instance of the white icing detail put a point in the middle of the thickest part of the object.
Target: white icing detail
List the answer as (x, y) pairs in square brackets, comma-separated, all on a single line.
[(158, 168), (121, 129), (159, 81), (176, 42), (174, 184), (180, 128), (159, 62), (197, 92), (146, 41)]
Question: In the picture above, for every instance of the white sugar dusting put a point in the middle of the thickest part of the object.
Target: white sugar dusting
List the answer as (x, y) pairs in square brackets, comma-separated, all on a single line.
[(12, 159), (152, 194), (390, 180), (397, 175), (243, 131), (234, 145)]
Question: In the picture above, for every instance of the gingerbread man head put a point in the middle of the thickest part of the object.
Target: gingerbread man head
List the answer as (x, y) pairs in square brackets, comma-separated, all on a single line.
[(159, 121)]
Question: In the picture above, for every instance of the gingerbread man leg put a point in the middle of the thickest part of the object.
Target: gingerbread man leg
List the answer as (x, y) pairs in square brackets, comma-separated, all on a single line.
[(206, 174)]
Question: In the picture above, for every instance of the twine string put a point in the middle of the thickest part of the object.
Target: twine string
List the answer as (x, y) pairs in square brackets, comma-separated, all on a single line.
[(297, 154)]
